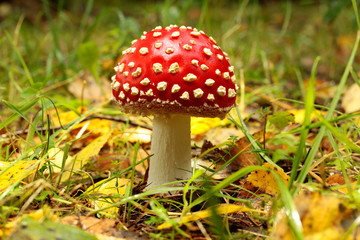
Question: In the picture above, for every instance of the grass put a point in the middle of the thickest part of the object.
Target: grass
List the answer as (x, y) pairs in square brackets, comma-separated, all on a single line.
[(280, 50)]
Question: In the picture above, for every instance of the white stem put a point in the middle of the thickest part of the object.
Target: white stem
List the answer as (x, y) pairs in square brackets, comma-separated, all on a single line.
[(170, 146)]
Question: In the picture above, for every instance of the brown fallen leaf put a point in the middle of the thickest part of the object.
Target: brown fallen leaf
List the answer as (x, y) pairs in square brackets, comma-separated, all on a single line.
[(338, 179), (245, 158), (111, 161), (326, 145), (243, 149)]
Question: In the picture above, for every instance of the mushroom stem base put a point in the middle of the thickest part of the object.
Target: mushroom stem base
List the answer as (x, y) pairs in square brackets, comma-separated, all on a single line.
[(170, 146)]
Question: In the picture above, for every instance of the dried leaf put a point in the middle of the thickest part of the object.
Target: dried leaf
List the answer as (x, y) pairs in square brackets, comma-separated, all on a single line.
[(265, 180), (246, 157), (323, 87), (351, 99), (322, 217), (299, 115), (82, 157), (56, 155), (106, 191), (220, 209), (201, 125), (95, 125), (338, 179), (14, 172)]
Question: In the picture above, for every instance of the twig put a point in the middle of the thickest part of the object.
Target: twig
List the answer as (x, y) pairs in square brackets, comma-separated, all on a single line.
[(118, 119), (269, 99)]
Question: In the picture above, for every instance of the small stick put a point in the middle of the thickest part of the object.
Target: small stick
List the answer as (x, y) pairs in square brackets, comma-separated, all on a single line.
[(270, 99)]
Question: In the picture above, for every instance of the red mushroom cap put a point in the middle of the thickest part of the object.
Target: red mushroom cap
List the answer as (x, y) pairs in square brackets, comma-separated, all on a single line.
[(175, 70)]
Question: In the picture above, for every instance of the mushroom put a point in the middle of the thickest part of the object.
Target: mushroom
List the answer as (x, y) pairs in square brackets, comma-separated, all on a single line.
[(173, 73)]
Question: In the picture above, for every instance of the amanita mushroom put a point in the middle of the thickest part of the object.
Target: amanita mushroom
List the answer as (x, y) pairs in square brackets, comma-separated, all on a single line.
[(173, 73)]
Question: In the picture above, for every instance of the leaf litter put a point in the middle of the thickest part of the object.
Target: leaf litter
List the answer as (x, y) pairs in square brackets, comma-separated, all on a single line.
[(107, 192)]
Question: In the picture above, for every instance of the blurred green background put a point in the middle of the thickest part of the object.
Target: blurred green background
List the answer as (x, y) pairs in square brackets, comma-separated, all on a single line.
[(273, 42)]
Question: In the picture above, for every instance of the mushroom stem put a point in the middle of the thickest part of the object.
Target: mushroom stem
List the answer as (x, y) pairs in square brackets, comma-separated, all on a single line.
[(170, 146)]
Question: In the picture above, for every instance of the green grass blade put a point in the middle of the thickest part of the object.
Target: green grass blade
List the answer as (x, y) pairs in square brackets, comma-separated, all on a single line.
[(309, 106), (352, 230), (19, 111), (16, 110), (198, 173), (290, 209)]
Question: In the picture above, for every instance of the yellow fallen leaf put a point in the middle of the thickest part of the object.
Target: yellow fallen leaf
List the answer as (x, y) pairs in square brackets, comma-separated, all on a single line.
[(105, 190), (266, 181), (14, 172), (44, 213), (95, 125), (201, 125), (82, 157), (56, 156), (299, 115), (220, 209), (322, 216)]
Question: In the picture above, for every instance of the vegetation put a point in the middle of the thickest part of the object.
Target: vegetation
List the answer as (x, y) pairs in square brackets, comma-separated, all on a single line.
[(284, 164)]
